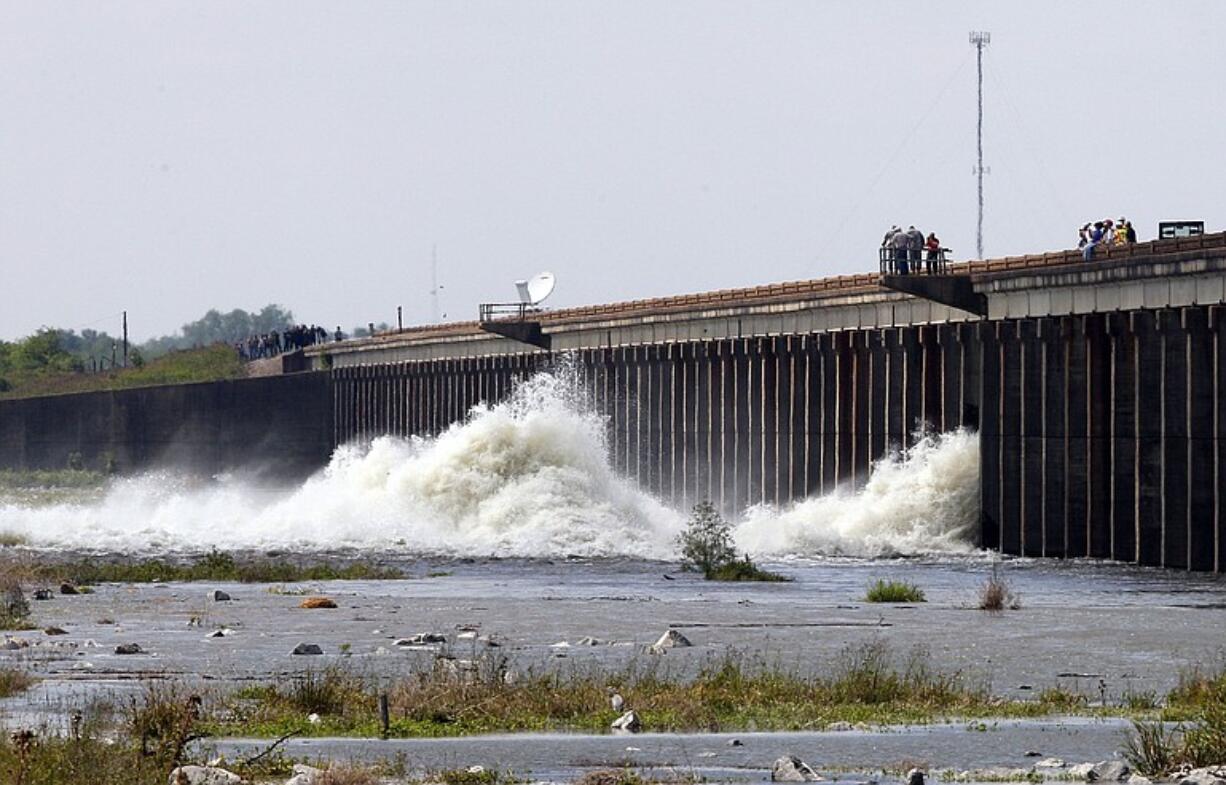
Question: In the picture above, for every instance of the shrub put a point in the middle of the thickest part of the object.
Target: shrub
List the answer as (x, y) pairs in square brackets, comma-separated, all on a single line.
[(706, 543), (996, 594), (1150, 748), (706, 547), (894, 591)]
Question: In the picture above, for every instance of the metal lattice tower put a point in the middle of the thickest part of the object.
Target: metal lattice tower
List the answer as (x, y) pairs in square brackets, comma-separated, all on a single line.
[(979, 40)]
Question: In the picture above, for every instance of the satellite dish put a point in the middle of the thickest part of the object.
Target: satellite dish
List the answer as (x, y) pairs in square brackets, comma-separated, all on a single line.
[(534, 290)]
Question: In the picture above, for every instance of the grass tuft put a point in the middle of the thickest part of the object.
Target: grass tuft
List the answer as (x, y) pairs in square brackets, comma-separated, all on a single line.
[(894, 591), (997, 594)]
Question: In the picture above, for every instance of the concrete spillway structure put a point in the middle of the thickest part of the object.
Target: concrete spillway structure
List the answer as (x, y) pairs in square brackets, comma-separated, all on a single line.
[(1095, 388)]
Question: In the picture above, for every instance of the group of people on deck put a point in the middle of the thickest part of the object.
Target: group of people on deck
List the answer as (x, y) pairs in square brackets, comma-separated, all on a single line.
[(1105, 232), (904, 248), (275, 342)]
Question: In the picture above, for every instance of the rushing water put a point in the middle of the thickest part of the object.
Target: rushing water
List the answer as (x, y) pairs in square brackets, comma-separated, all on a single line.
[(527, 478)]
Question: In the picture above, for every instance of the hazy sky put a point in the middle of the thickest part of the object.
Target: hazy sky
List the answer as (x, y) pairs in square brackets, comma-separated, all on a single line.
[(169, 157)]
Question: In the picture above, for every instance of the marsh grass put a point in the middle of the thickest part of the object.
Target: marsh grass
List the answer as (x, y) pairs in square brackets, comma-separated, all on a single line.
[(1198, 705), (894, 591), (14, 682), (868, 683), (996, 594), (212, 566)]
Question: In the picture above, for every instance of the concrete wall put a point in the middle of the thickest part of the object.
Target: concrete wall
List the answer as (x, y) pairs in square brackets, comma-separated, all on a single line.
[(1106, 436), (737, 421), (278, 425)]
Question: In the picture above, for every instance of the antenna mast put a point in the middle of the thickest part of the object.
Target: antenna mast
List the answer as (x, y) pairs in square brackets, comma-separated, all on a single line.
[(434, 284), (979, 40)]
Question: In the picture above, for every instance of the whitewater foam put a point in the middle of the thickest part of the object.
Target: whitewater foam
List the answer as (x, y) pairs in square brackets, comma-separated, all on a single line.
[(529, 477)]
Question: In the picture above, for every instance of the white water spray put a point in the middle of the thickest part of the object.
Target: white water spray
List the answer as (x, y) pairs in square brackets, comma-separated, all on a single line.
[(526, 478)]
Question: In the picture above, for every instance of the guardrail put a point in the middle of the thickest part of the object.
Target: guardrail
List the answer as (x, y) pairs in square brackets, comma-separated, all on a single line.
[(489, 311), (897, 261)]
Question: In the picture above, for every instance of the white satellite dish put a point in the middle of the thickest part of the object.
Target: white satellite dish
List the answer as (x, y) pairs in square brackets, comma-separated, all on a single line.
[(534, 290)]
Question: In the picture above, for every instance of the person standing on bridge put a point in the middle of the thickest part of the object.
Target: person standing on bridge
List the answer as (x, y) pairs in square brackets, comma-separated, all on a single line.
[(901, 243), (915, 244), (1096, 237), (933, 245), (887, 243)]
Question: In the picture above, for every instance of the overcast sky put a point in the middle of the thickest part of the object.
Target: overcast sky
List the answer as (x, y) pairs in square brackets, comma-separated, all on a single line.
[(170, 157)]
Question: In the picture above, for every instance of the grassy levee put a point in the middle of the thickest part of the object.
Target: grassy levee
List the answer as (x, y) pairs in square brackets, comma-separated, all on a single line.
[(209, 363)]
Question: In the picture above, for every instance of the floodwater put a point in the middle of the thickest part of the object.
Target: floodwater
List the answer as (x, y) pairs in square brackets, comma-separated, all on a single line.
[(1102, 629), (514, 525)]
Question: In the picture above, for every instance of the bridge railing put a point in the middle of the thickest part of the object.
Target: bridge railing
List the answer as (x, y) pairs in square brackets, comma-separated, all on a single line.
[(896, 261), (489, 311)]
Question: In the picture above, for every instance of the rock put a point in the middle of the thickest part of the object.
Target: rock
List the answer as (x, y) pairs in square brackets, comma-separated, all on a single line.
[(68, 588), (317, 602), (13, 644), (1050, 763), (1109, 771), (313, 718), (789, 768), (55, 631), (129, 648), (466, 635), (628, 723), (220, 596), (475, 769), (220, 632), (1081, 771), (422, 639), (671, 640), (304, 775), (1032, 754), (840, 726), (42, 594), (587, 640), (307, 648), (203, 775), (1206, 776), (1138, 779), (915, 777), (735, 743)]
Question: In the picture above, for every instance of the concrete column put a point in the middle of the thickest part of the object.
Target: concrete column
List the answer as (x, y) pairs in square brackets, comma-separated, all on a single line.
[(1098, 430), (1202, 523), (951, 377), (913, 384), (1052, 407), (685, 419), (876, 394), (970, 358), (829, 412), (1174, 439), (1123, 438), (931, 373), (1011, 466), (845, 403), (768, 458), (636, 408), (796, 402), (668, 428), (726, 422), (989, 436), (860, 388), (895, 391), (813, 415), (742, 436), (1076, 441), (1148, 365), (650, 415), (1031, 438), (705, 430), (1217, 317)]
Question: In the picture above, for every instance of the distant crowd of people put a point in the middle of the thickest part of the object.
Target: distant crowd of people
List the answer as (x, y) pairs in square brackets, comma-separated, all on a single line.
[(273, 343), (1105, 232), (904, 249)]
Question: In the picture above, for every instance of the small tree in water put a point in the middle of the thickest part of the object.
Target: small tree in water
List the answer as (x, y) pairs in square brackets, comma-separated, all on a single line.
[(706, 547), (706, 543)]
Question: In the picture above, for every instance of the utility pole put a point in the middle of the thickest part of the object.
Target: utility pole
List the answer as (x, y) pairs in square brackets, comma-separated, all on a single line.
[(979, 40), (125, 339)]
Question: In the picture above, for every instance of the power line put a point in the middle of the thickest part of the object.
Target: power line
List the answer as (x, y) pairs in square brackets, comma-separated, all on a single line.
[(979, 40)]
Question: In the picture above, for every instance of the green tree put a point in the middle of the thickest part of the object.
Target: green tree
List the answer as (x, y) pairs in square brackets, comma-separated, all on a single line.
[(706, 544)]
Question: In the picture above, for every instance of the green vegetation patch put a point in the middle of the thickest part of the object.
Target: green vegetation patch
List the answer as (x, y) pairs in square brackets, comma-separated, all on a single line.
[(213, 566), (706, 547), (867, 684), (894, 591)]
